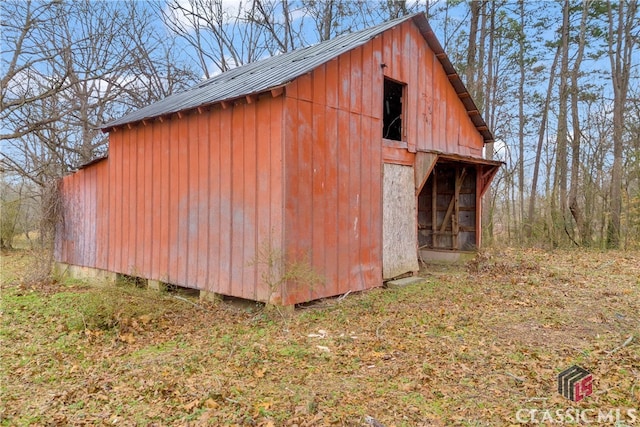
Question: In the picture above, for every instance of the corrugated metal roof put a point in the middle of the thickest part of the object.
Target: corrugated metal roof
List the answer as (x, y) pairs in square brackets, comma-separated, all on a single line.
[(263, 75)]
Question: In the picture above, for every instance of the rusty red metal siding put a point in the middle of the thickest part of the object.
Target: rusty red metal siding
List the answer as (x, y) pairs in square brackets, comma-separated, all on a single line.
[(83, 217), (333, 177), (185, 200), (334, 153)]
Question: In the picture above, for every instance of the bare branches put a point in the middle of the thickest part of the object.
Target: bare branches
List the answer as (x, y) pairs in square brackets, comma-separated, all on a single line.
[(70, 67)]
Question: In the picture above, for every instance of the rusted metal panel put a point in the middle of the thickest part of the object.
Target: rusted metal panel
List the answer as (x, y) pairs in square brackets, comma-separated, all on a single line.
[(215, 218), (103, 216), (203, 161), (185, 201), (76, 235), (317, 190), (356, 84), (163, 179), (330, 142)]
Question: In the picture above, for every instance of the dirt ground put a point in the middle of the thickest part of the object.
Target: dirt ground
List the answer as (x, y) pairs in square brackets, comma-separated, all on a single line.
[(473, 345)]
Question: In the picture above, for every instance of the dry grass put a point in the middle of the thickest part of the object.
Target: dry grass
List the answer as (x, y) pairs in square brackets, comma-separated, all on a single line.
[(468, 346)]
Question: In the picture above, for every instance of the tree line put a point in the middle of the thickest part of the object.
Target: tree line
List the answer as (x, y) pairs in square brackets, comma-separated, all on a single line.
[(557, 82)]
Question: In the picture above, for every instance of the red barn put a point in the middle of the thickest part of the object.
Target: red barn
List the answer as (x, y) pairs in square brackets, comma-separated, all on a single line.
[(350, 157)]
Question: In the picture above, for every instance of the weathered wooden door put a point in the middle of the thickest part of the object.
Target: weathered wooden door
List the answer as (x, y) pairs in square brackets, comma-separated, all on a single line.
[(399, 222)]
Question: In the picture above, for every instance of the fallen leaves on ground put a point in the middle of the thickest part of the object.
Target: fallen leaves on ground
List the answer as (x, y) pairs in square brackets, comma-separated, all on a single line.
[(471, 345)]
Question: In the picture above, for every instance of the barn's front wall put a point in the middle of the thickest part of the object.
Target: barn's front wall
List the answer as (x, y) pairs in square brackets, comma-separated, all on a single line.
[(184, 200), (335, 153)]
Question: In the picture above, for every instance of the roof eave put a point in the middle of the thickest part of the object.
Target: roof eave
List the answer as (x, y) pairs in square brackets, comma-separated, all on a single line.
[(119, 123)]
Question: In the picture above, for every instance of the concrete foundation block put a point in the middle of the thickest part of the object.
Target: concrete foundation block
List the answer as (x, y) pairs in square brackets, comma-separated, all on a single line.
[(210, 296), (156, 285), (405, 281), (95, 275)]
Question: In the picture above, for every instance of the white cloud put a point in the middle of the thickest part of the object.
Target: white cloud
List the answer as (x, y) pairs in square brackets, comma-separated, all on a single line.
[(185, 13)]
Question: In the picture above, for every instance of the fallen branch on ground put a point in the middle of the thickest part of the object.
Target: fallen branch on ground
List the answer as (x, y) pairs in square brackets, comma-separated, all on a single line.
[(624, 344), (190, 302)]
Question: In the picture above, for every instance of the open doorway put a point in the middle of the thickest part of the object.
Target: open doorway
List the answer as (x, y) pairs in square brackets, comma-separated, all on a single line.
[(448, 208)]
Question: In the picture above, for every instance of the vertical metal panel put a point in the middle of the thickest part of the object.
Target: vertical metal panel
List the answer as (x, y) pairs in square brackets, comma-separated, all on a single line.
[(318, 188), (399, 58), (226, 202), (367, 75), (305, 87), (193, 226), (92, 215), (319, 85), (356, 83), (331, 83), (425, 132), (250, 169), (164, 180), (237, 206), (204, 196), (330, 168), (174, 170), (129, 203), (184, 147), (453, 122), (147, 197), (419, 115), (103, 215), (155, 195), (140, 202), (215, 219), (355, 280), (303, 249), (276, 171), (76, 236), (263, 230), (186, 200)]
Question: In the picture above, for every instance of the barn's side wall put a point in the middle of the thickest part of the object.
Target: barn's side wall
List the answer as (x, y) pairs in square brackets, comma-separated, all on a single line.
[(187, 201), (334, 153), (83, 217)]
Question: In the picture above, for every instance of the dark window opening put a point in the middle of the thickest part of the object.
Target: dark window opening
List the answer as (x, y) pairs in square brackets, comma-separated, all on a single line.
[(392, 114)]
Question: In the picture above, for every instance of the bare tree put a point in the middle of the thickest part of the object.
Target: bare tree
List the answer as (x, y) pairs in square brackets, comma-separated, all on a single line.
[(66, 77), (622, 37), (574, 206), (219, 37), (31, 71)]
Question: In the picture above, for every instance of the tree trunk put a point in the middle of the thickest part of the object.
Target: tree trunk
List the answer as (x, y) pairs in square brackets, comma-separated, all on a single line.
[(559, 190), (574, 206), (531, 217), (620, 49), (521, 114)]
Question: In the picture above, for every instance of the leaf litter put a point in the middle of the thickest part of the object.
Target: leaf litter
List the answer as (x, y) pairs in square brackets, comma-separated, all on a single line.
[(471, 345)]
